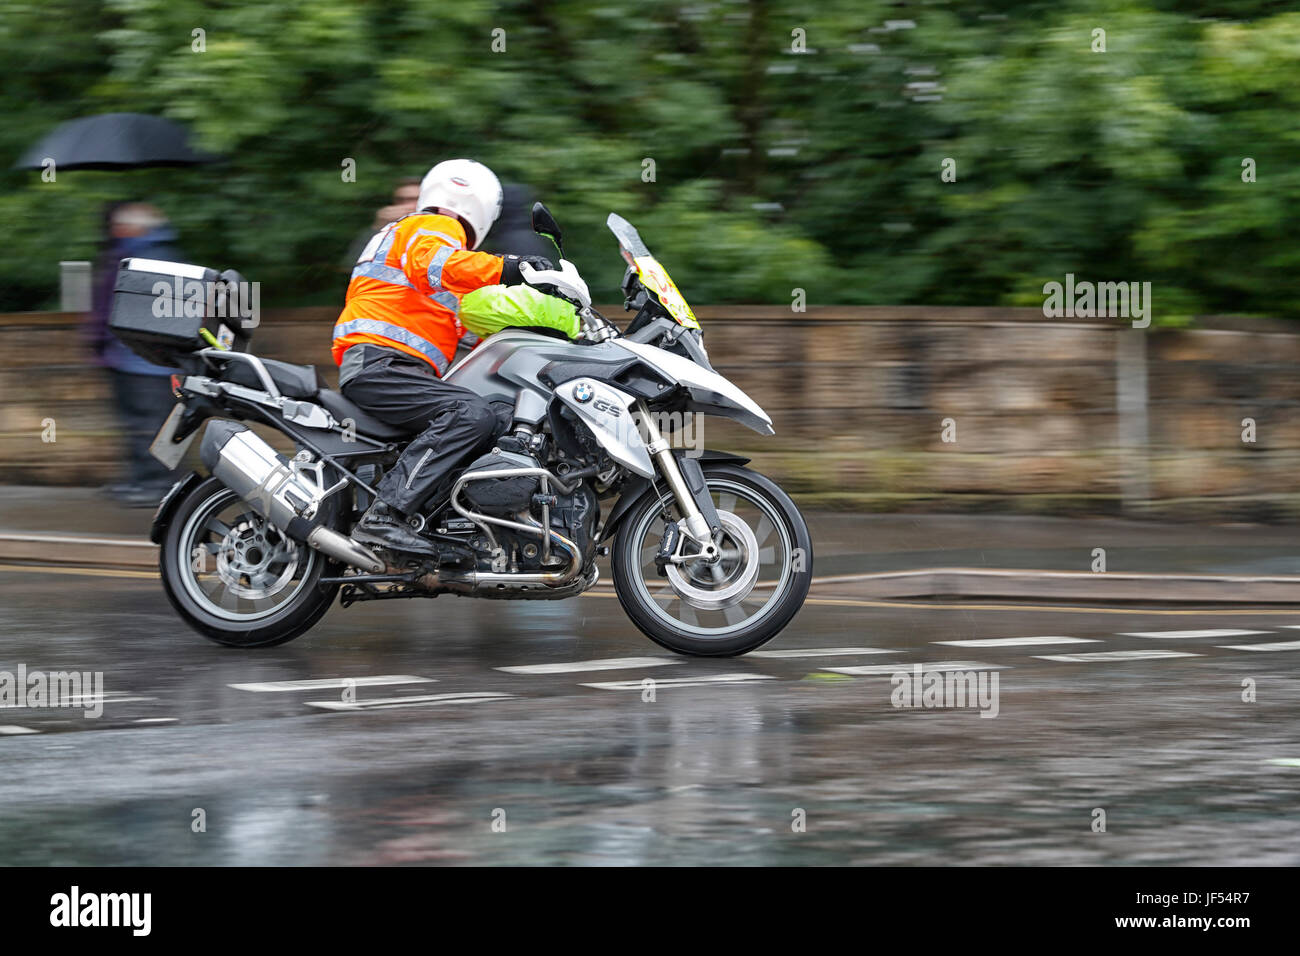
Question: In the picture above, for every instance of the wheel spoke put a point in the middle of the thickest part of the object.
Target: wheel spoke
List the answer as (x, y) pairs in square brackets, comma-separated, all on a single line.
[(734, 614)]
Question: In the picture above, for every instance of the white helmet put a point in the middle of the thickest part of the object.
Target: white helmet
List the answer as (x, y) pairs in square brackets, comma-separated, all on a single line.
[(469, 189)]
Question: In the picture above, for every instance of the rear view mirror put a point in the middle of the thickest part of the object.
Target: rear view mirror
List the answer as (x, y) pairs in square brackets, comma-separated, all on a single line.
[(544, 224)]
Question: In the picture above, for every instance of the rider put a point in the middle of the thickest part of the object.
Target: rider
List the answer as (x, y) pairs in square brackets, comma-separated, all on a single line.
[(398, 332)]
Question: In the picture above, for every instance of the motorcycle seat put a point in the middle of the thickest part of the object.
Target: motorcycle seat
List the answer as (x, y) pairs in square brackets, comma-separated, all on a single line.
[(304, 382), (293, 381), (341, 408)]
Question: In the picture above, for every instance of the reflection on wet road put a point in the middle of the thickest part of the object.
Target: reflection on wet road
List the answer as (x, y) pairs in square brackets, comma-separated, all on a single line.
[(454, 731)]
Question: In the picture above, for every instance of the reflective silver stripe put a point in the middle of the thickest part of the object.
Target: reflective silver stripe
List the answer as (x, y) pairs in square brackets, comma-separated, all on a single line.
[(377, 270), (447, 300), (418, 465), (397, 334), (450, 240), (381, 254), (435, 266)]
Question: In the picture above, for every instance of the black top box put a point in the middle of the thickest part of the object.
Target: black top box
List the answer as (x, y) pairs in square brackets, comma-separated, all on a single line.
[(159, 308)]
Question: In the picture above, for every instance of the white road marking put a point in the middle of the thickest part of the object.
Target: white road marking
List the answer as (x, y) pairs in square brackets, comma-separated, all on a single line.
[(81, 701), (1187, 635), (1018, 641), (680, 681), (157, 720), (390, 703), (821, 652), (606, 664), (15, 729), (280, 686), (109, 697), (908, 667), (1114, 656), (1276, 646)]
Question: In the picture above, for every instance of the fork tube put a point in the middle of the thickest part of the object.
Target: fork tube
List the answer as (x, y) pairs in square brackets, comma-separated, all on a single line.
[(696, 524)]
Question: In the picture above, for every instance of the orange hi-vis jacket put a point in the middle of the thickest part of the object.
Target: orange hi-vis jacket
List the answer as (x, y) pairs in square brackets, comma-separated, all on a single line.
[(406, 287)]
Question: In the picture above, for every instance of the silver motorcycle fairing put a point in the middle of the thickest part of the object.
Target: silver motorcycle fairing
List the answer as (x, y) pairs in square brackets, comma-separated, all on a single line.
[(510, 360), (607, 411), (709, 391)]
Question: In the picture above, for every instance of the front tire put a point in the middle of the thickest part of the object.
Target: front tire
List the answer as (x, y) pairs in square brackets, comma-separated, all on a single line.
[(234, 578), (740, 602)]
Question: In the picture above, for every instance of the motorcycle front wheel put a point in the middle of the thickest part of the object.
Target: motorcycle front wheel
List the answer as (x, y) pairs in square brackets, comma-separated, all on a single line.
[(738, 602), (234, 577)]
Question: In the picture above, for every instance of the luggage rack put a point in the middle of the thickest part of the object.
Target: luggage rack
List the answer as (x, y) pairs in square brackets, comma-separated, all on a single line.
[(262, 374)]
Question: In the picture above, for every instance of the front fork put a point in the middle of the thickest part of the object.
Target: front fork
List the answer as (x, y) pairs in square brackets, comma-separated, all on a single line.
[(700, 520)]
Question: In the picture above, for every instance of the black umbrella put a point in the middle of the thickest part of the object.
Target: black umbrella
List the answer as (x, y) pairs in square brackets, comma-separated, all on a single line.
[(114, 141)]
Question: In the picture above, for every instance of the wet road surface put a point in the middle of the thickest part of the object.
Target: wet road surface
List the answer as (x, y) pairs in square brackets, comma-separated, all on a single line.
[(524, 733)]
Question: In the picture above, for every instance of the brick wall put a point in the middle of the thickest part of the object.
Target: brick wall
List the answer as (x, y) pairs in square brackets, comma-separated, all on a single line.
[(858, 397)]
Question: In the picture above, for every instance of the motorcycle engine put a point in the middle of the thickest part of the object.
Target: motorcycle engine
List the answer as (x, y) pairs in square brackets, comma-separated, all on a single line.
[(502, 497), (573, 515)]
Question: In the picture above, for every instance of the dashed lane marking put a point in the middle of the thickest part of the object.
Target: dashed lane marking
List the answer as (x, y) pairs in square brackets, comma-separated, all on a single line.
[(157, 720), (680, 681), (1018, 641), (605, 664), (1275, 646), (907, 667), (1192, 635), (392, 703), (14, 730), (1114, 656), (820, 652), (282, 686)]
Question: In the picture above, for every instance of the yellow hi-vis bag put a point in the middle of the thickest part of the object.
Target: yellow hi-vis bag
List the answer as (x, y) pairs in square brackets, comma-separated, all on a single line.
[(496, 307)]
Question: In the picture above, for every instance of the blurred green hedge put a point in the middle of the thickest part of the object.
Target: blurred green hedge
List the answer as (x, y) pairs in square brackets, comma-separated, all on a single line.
[(794, 145)]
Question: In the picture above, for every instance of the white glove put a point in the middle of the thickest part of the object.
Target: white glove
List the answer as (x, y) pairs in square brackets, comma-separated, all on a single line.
[(565, 280)]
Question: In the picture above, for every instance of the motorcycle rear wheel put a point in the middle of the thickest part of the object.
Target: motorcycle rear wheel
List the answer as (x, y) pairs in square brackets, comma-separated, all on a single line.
[(234, 578)]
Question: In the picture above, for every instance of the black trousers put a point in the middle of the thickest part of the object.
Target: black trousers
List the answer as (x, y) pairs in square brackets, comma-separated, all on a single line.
[(143, 403), (454, 424)]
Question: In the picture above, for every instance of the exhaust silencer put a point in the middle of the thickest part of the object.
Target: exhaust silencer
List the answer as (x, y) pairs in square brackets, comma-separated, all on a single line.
[(261, 476)]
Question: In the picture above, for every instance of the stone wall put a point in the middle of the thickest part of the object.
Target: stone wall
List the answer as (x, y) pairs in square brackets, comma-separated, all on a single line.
[(1049, 416)]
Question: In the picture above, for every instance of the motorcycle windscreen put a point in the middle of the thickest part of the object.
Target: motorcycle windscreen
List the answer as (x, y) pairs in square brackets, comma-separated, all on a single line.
[(652, 275)]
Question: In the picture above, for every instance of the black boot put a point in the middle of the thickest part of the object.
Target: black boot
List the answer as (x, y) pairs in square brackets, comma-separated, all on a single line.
[(383, 526)]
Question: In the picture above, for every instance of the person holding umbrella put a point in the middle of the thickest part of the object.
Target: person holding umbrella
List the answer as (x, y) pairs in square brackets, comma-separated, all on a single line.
[(141, 389)]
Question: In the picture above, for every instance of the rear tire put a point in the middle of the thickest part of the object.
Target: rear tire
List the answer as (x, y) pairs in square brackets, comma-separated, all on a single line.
[(234, 578), (711, 612)]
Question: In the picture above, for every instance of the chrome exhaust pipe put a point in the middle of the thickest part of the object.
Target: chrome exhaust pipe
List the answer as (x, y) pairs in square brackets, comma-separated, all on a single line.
[(287, 499), (470, 581)]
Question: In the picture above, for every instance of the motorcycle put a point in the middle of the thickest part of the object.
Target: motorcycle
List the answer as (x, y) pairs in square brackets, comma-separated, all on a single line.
[(708, 557)]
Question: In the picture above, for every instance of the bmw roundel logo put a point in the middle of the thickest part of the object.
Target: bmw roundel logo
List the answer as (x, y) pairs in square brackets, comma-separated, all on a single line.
[(582, 392)]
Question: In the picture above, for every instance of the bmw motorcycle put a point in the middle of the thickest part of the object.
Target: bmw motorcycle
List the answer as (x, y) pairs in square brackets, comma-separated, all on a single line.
[(707, 556)]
